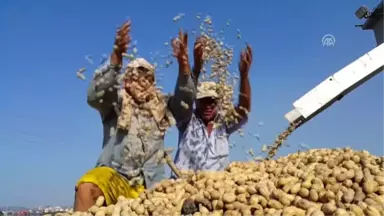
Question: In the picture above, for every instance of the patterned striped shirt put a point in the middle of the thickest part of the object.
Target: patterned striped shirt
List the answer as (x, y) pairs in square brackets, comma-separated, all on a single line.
[(199, 151)]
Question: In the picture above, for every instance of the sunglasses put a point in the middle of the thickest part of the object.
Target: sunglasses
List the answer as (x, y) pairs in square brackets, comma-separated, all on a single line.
[(208, 100)]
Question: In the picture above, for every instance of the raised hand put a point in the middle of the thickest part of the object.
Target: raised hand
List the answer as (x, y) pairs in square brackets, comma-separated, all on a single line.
[(122, 41), (180, 51), (198, 53), (245, 61), (244, 106)]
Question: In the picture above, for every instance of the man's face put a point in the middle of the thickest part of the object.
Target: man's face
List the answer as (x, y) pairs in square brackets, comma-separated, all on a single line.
[(138, 83), (206, 108)]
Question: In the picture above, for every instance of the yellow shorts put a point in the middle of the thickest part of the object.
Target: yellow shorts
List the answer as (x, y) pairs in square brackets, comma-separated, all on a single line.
[(111, 183)]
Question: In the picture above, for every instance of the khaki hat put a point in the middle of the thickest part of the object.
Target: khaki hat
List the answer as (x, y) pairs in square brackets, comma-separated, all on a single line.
[(140, 62), (206, 89)]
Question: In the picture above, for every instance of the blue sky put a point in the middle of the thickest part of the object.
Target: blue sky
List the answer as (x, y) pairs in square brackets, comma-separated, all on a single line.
[(50, 137)]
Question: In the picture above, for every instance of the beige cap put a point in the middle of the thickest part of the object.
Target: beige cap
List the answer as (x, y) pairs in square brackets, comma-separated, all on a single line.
[(140, 62), (206, 89)]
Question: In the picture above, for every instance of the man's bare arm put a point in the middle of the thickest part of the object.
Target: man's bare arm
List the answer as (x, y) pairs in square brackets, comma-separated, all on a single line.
[(244, 105)]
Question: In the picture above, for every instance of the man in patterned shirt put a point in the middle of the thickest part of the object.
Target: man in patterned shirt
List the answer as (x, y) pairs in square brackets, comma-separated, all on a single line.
[(134, 119), (201, 146)]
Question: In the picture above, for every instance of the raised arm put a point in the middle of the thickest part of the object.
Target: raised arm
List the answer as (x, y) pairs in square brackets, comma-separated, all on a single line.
[(181, 103), (102, 92), (198, 53), (244, 105)]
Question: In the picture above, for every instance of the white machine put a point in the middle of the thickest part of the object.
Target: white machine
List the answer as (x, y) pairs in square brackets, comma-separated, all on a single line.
[(347, 79), (338, 85)]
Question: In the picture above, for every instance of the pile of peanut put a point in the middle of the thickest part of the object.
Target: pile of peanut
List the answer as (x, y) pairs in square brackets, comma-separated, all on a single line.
[(340, 182)]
